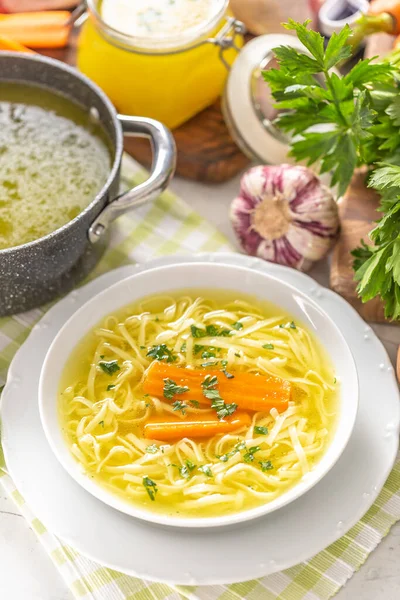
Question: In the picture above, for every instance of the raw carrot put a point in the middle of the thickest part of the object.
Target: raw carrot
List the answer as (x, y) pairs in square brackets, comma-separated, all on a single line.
[(9, 44), (379, 8), (37, 29), (198, 426), (248, 391)]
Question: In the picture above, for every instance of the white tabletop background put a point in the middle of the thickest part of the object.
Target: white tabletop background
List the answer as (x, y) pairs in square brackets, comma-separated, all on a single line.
[(26, 572)]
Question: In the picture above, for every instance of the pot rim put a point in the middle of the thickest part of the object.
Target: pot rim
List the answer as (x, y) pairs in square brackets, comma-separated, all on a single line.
[(118, 146)]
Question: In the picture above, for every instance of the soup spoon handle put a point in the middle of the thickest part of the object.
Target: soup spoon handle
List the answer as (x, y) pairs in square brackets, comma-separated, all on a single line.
[(164, 162)]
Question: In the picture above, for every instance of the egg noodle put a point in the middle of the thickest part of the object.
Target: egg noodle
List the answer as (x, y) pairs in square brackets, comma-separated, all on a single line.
[(103, 413)]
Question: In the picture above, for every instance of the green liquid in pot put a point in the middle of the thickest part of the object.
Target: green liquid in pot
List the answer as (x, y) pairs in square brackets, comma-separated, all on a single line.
[(53, 162)]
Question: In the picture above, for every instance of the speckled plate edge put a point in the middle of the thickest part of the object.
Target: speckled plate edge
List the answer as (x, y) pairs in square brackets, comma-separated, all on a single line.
[(294, 518)]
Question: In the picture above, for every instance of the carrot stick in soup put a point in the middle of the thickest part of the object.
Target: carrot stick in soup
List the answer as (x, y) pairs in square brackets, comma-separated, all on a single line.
[(37, 29), (248, 391), (196, 426)]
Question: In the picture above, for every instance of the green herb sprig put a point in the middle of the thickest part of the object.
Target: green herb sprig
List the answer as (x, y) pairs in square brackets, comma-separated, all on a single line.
[(355, 121)]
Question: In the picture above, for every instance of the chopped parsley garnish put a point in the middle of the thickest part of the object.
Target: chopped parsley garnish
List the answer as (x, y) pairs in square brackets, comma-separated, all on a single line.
[(198, 348), (206, 470), (148, 405), (266, 465), (101, 423), (186, 469), (237, 354), (209, 331), (281, 326), (249, 456), (261, 430), (334, 381), (110, 387), (143, 347), (208, 354), (157, 319), (161, 352), (110, 367), (211, 393), (151, 487), (194, 403), (209, 364), (292, 325), (238, 326), (183, 347), (171, 389), (153, 449), (2, 388), (179, 406), (197, 332), (235, 450), (228, 375), (209, 382), (224, 363), (268, 346), (101, 355)]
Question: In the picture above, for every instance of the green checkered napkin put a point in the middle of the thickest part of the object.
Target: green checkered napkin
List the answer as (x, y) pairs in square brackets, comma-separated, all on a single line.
[(166, 227)]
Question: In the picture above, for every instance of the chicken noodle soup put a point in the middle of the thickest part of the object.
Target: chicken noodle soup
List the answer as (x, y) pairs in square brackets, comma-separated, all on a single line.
[(198, 404), (53, 162)]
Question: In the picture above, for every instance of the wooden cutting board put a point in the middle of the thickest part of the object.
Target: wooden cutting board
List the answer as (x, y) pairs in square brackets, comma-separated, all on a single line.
[(357, 212)]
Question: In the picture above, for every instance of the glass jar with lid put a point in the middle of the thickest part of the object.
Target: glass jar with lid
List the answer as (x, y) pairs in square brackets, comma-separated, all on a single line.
[(165, 59)]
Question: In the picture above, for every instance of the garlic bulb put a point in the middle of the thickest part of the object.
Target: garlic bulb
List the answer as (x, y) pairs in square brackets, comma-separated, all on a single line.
[(284, 214)]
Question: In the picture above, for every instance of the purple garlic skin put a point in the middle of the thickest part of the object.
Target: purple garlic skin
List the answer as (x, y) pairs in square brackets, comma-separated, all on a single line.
[(285, 215)]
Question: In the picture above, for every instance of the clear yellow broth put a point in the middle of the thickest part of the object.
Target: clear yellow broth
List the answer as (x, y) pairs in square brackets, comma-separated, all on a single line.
[(53, 162), (102, 414)]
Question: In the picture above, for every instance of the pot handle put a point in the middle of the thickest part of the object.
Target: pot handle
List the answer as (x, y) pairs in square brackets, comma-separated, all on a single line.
[(164, 160)]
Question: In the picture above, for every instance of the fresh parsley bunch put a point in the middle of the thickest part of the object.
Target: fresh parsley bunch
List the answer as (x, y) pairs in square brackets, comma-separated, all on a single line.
[(339, 124)]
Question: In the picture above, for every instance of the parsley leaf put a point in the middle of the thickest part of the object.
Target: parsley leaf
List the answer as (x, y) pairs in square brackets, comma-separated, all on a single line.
[(238, 326), (179, 406), (151, 487), (266, 465), (268, 346), (171, 389), (261, 430), (228, 375), (209, 331), (249, 456), (292, 325), (101, 423), (206, 470), (207, 354), (186, 469), (110, 387), (153, 449), (109, 367), (217, 403), (161, 352), (195, 403)]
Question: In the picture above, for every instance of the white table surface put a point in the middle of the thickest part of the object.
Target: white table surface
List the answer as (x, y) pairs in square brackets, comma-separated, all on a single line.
[(26, 573)]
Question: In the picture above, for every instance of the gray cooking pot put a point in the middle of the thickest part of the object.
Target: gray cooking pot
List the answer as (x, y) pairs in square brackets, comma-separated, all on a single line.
[(39, 271)]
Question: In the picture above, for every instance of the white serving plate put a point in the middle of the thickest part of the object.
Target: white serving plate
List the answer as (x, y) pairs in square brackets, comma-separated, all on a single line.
[(225, 555), (204, 275)]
